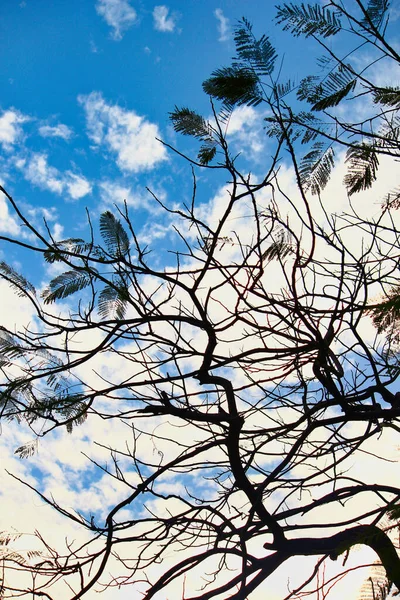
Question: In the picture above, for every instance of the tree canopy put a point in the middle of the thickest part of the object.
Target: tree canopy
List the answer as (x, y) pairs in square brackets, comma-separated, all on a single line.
[(254, 367)]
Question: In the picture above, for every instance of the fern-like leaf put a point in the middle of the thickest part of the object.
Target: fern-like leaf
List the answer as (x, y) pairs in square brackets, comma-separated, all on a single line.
[(65, 285), (75, 246), (112, 301), (206, 154), (316, 167), (259, 54), (363, 164), (308, 19), (392, 200), (376, 13), (329, 93), (113, 234), (10, 346), (21, 285), (390, 96), (280, 248), (27, 450), (283, 89), (386, 316), (234, 86), (188, 122), (339, 89)]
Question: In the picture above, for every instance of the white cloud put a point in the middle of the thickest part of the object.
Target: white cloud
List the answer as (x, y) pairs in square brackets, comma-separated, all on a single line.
[(60, 130), (115, 193), (37, 170), (76, 185), (10, 127), (118, 14), (245, 129), (128, 135), (163, 22), (8, 225), (223, 25)]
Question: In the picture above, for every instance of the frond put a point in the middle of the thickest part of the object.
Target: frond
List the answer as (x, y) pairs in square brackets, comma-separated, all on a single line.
[(206, 154), (10, 346), (337, 86), (188, 122), (306, 120), (66, 405), (273, 127), (113, 234), (15, 394), (310, 89), (280, 248), (324, 62), (73, 410), (316, 167), (259, 54), (387, 314), (75, 246), (376, 13), (363, 164), (6, 537), (112, 301), (390, 96), (331, 92), (283, 89), (27, 450), (392, 200), (22, 286), (66, 284), (234, 86), (308, 19)]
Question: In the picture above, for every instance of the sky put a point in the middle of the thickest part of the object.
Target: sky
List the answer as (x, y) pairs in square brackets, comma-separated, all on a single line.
[(87, 87)]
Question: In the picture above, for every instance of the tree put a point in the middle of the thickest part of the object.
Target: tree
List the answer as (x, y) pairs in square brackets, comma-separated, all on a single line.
[(246, 364)]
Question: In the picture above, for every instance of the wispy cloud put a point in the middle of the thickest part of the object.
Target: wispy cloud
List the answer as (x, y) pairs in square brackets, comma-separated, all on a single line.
[(60, 130), (10, 127), (245, 131), (37, 170), (223, 25), (112, 192), (163, 21), (118, 14), (123, 132)]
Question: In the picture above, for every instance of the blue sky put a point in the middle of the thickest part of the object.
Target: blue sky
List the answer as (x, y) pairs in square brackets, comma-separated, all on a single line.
[(87, 86)]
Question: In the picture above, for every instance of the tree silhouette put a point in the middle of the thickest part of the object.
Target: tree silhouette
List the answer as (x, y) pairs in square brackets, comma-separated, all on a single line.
[(244, 362)]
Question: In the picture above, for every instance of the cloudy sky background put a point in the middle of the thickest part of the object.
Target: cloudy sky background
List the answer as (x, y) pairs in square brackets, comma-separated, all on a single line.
[(86, 90)]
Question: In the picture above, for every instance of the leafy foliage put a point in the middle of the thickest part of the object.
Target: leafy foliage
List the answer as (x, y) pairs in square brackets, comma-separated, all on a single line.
[(206, 154), (27, 450), (113, 300), (308, 19), (65, 285), (390, 96), (259, 54), (74, 246), (21, 285), (337, 86), (113, 234), (376, 13), (189, 122), (363, 164), (280, 248), (10, 347), (316, 167), (234, 86), (386, 316)]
